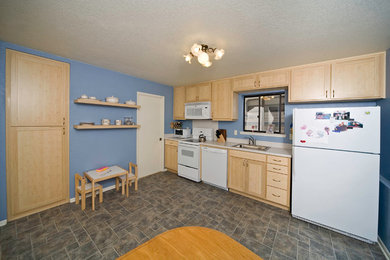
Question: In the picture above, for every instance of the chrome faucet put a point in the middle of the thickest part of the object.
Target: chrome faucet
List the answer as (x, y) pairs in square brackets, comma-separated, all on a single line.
[(252, 140)]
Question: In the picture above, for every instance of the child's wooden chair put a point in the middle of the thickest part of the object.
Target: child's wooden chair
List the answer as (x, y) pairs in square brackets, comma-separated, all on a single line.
[(132, 177), (82, 187)]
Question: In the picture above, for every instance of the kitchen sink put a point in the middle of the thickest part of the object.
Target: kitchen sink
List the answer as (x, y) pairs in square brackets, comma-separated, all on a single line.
[(253, 147)]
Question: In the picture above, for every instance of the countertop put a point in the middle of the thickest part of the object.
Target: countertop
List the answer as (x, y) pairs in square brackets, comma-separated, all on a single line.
[(284, 152)]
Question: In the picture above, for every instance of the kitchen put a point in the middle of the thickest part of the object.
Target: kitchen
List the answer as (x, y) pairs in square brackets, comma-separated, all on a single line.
[(278, 146)]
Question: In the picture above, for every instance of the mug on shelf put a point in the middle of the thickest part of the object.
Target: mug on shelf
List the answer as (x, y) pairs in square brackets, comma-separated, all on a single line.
[(106, 121)]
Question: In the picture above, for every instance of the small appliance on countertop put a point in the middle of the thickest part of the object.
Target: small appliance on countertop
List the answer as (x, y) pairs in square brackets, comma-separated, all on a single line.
[(182, 133), (189, 153)]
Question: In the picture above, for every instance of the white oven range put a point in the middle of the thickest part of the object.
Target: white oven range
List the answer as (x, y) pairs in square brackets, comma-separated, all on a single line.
[(189, 154)]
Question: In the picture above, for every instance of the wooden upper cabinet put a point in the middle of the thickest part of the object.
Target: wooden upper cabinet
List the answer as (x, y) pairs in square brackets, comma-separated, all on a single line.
[(256, 178), (224, 101), (38, 89), (179, 96), (310, 83), (204, 91), (198, 93), (245, 83), (274, 79), (191, 94), (359, 78)]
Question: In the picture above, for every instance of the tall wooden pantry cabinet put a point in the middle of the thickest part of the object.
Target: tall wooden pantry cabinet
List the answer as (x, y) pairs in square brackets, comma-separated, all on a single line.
[(37, 133)]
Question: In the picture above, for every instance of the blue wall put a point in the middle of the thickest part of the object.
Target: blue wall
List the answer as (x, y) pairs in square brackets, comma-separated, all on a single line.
[(90, 148), (238, 125), (384, 195)]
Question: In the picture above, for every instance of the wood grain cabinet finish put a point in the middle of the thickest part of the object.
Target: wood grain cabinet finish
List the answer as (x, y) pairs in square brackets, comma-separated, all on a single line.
[(310, 83), (247, 173), (252, 174), (170, 155), (179, 96), (356, 78), (274, 79), (37, 133), (198, 93), (224, 101), (245, 83), (359, 78)]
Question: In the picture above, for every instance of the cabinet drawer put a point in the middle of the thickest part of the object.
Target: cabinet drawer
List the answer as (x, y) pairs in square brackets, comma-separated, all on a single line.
[(277, 168), (248, 155), (170, 142), (277, 195), (278, 160), (277, 180)]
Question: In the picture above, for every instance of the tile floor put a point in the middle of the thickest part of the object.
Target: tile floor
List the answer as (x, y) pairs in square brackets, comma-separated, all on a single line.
[(165, 201)]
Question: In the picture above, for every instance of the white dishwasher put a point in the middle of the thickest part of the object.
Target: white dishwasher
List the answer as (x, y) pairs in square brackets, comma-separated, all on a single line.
[(214, 167)]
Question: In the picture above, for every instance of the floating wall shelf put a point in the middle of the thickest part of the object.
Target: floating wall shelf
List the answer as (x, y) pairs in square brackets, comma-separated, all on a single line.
[(85, 127), (102, 103)]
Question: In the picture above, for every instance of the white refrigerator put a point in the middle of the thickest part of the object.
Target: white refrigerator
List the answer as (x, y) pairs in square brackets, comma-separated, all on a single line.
[(335, 179)]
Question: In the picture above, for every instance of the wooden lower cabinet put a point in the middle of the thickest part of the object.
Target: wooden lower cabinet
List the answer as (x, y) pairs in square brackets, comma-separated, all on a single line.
[(170, 155), (259, 176)]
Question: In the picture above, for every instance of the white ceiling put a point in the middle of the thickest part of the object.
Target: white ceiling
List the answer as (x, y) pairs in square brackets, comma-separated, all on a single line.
[(147, 38)]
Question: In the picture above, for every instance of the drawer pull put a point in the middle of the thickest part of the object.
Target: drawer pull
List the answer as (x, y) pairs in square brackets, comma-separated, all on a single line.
[(276, 169), (276, 180), (277, 160), (275, 195)]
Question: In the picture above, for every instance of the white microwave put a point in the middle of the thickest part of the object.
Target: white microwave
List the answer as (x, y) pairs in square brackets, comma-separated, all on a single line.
[(182, 133), (198, 110)]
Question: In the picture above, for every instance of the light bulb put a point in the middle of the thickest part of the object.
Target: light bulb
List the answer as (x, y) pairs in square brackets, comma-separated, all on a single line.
[(207, 64), (218, 54), (203, 58), (196, 49), (188, 58)]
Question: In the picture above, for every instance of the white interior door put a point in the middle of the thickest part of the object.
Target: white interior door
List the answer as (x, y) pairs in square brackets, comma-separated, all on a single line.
[(150, 136)]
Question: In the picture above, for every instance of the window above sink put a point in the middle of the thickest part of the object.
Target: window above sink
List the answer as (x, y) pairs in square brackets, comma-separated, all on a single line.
[(264, 113)]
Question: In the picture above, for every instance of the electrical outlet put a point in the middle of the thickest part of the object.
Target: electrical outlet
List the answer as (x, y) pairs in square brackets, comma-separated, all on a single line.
[(235, 132)]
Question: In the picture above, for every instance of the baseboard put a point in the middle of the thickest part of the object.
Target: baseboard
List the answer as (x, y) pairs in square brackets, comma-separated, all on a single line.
[(3, 222), (71, 200), (384, 249)]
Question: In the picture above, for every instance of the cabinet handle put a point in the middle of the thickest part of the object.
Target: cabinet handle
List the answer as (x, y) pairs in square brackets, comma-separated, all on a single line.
[(326, 94), (276, 169), (277, 160), (63, 131), (276, 180), (63, 121), (254, 84), (275, 195), (333, 93)]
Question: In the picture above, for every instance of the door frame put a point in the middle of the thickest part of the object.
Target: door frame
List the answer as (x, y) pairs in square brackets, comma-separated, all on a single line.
[(162, 128)]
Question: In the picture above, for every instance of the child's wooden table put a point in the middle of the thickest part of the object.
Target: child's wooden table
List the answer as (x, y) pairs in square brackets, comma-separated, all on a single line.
[(110, 173)]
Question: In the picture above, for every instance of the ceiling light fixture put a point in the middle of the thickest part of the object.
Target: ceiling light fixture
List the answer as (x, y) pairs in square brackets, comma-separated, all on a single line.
[(203, 52)]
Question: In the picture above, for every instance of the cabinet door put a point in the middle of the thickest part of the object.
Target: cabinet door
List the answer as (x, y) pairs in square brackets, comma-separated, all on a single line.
[(256, 178), (310, 83), (178, 103), (237, 171), (191, 94), (273, 79), (37, 173), (359, 78), (171, 157), (204, 92), (245, 83), (221, 102), (39, 90)]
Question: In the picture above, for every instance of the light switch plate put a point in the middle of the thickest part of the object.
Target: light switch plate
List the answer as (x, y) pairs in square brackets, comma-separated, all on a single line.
[(235, 132)]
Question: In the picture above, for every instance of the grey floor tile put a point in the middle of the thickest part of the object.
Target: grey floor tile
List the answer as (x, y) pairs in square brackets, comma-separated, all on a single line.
[(121, 223)]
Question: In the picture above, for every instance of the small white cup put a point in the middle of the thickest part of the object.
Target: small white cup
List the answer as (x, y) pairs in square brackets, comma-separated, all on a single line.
[(118, 122), (84, 96)]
